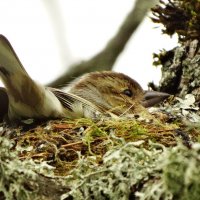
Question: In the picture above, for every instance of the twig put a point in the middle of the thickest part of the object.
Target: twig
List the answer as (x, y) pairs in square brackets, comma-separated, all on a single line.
[(105, 59)]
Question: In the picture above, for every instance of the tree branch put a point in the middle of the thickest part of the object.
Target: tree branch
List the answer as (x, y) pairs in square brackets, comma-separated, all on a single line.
[(105, 59)]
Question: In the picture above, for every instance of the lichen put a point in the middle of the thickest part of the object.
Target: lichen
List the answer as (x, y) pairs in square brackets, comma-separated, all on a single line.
[(110, 158), (14, 173), (134, 172)]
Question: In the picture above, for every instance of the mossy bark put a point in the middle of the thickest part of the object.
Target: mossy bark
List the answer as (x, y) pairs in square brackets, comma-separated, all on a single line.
[(181, 65), (181, 70)]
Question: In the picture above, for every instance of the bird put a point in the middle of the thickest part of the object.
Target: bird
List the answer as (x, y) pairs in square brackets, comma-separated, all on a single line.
[(29, 99), (93, 95), (114, 92)]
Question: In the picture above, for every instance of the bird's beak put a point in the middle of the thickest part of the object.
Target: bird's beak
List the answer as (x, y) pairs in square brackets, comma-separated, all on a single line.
[(153, 97)]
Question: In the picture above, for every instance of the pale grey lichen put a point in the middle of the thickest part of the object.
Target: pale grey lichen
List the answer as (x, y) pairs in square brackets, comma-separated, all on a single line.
[(130, 171), (180, 178), (187, 107), (17, 178), (182, 108), (122, 168)]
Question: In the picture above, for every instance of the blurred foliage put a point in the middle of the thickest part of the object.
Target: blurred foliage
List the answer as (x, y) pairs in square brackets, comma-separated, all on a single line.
[(179, 16)]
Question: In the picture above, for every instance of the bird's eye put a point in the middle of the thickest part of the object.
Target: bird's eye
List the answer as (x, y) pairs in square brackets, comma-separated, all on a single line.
[(128, 92)]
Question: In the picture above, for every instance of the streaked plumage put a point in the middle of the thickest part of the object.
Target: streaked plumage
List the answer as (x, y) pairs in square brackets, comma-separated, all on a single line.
[(92, 95)]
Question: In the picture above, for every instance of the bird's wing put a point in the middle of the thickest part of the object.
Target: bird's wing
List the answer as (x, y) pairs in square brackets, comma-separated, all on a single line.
[(76, 104), (9, 61)]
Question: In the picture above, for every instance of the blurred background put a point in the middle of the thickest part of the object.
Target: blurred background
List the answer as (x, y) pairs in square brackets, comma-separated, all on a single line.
[(50, 35)]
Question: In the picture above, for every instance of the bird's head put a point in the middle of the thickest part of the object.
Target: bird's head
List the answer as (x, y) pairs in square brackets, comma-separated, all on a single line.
[(115, 92)]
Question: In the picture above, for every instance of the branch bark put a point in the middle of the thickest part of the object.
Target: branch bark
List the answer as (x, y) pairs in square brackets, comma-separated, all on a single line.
[(181, 65)]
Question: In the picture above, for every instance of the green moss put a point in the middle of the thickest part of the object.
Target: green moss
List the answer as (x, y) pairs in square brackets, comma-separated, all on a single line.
[(181, 172), (106, 158)]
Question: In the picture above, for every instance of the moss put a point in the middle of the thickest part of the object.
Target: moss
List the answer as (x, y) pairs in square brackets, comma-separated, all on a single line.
[(59, 141), (181, 172), (106, 158)]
